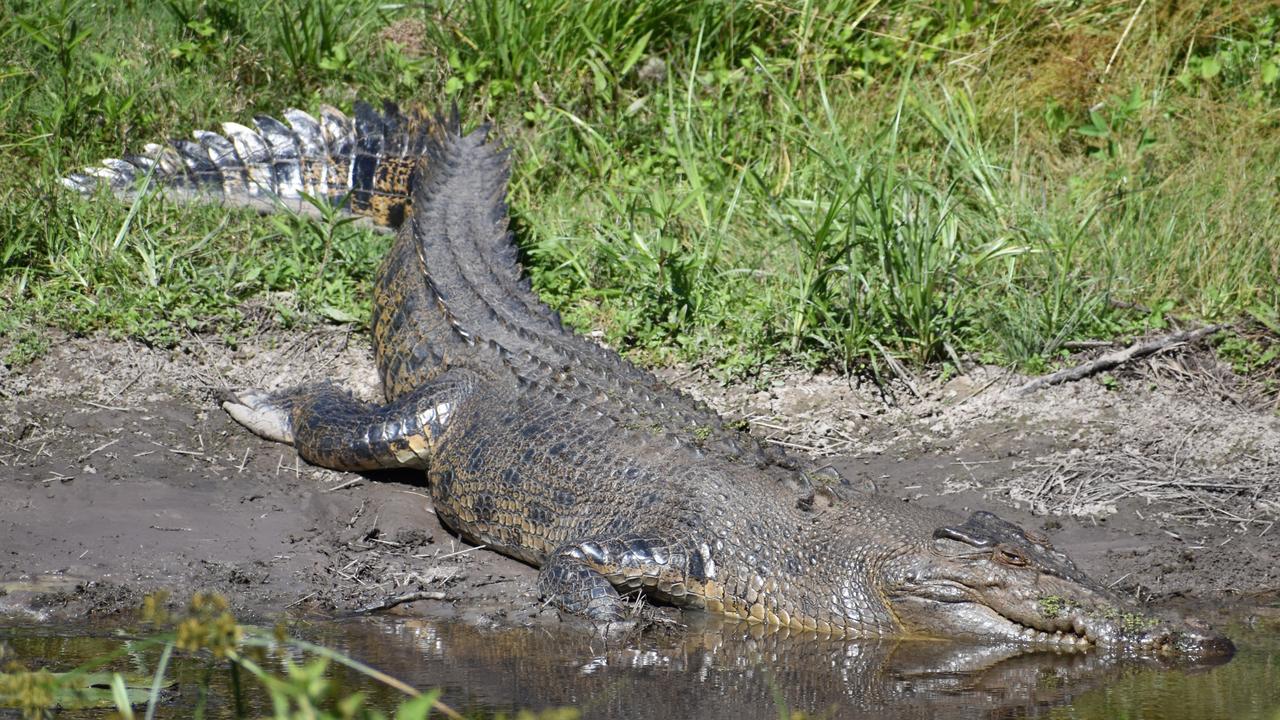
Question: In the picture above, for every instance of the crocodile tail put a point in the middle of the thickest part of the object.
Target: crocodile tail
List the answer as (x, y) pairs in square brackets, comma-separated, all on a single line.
[(361, 165), (467, 253)]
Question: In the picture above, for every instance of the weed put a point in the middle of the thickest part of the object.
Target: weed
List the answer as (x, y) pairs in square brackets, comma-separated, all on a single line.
[(1053, 606), (208, 630)]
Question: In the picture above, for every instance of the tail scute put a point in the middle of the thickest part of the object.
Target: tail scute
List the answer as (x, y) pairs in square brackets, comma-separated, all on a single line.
[(255, 157), (283, 147)]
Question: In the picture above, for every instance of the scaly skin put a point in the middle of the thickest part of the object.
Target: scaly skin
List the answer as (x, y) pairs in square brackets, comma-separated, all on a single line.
[(544, 447)]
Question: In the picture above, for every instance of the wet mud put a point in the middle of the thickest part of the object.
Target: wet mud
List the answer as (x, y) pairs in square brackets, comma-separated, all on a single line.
[(122, 476)]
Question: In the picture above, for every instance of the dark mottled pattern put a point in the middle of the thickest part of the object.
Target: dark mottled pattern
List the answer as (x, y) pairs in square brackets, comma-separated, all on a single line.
[(548, 448), (553, 470)]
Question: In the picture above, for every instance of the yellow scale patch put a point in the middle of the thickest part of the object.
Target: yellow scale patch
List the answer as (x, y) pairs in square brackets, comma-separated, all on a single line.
[(712, 595), (313, 175), (390, 188)]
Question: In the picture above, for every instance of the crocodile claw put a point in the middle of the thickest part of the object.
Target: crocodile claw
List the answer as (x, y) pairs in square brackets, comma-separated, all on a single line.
[(260, 412)]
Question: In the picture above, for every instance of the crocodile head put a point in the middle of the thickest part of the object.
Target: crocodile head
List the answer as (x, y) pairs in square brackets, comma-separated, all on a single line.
[(990, 579)]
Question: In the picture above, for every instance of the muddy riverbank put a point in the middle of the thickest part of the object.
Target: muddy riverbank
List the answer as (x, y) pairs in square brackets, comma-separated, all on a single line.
[(122, 476)]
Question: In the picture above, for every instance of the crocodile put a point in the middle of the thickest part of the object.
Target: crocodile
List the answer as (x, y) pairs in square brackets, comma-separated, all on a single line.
[(544, 446)]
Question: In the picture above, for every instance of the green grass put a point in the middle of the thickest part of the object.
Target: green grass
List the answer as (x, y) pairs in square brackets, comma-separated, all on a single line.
[(741, 183)]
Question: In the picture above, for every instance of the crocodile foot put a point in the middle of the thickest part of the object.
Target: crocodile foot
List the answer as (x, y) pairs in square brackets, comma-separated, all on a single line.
[(264, 414)]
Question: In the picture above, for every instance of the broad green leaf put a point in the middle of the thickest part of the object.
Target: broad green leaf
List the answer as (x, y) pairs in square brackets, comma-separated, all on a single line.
[(419, 707), (337, 315), (1270, 71)]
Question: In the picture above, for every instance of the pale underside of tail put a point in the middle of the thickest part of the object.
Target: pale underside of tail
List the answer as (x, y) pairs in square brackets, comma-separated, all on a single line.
[(362, 165)]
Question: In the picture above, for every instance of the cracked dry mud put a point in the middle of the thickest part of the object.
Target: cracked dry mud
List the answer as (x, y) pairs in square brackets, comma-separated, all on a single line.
[(122, 476)]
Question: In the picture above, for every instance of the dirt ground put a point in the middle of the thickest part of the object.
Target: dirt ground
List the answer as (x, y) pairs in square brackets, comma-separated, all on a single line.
[(121, 475)]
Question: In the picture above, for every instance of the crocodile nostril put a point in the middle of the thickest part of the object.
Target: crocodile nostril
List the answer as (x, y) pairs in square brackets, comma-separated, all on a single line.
[(1038, 538)]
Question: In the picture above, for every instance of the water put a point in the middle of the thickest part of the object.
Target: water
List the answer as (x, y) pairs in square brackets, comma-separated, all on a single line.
[(712, 671)]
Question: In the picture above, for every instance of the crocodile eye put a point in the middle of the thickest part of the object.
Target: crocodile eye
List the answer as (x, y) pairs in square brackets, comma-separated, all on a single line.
[(1009, 555)]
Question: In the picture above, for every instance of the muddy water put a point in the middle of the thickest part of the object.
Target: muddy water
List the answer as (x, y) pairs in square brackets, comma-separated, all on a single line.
[(714, 671)]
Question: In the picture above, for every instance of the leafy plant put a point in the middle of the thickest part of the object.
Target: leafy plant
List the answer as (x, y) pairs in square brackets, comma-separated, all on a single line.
[(316, 36), (1111, 126), (305, 688)]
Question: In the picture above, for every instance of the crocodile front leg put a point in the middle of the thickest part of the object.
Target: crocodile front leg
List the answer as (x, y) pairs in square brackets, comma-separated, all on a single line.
[(569, 582), (332, 429), (583, 578)]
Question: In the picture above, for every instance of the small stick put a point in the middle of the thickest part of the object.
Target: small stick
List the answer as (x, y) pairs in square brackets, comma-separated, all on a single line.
[(388, 603), (457, 552), (898, 369), (1129, 26), (96, 450), (1087, 344), (1118, 580), (359, 512), (1115, 359), (300, 600), (108, 407), (127, 385), (346, 484), (812, 449)]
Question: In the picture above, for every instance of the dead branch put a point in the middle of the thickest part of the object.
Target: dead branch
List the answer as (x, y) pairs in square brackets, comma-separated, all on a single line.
[(390, 602), (1087, 344), (1115, 359)]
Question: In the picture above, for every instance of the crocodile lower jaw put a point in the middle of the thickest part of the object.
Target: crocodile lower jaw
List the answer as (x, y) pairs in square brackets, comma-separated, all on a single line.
[(1069, 638)]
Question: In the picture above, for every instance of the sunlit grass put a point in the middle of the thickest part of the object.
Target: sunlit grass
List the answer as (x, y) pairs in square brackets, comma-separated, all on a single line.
[(831, 183)]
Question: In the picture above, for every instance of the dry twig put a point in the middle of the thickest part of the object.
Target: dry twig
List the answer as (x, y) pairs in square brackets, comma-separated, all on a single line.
[(1115, 359)]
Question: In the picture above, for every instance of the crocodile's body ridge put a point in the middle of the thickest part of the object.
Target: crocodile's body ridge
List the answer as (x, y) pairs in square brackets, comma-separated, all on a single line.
[(542, 445)]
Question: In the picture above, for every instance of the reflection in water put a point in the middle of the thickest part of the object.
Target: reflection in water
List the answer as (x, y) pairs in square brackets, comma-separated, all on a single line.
[(717, 671), (712, 670)]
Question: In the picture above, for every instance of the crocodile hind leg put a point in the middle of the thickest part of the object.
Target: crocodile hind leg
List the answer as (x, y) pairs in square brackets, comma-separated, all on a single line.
[(331, 428)]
